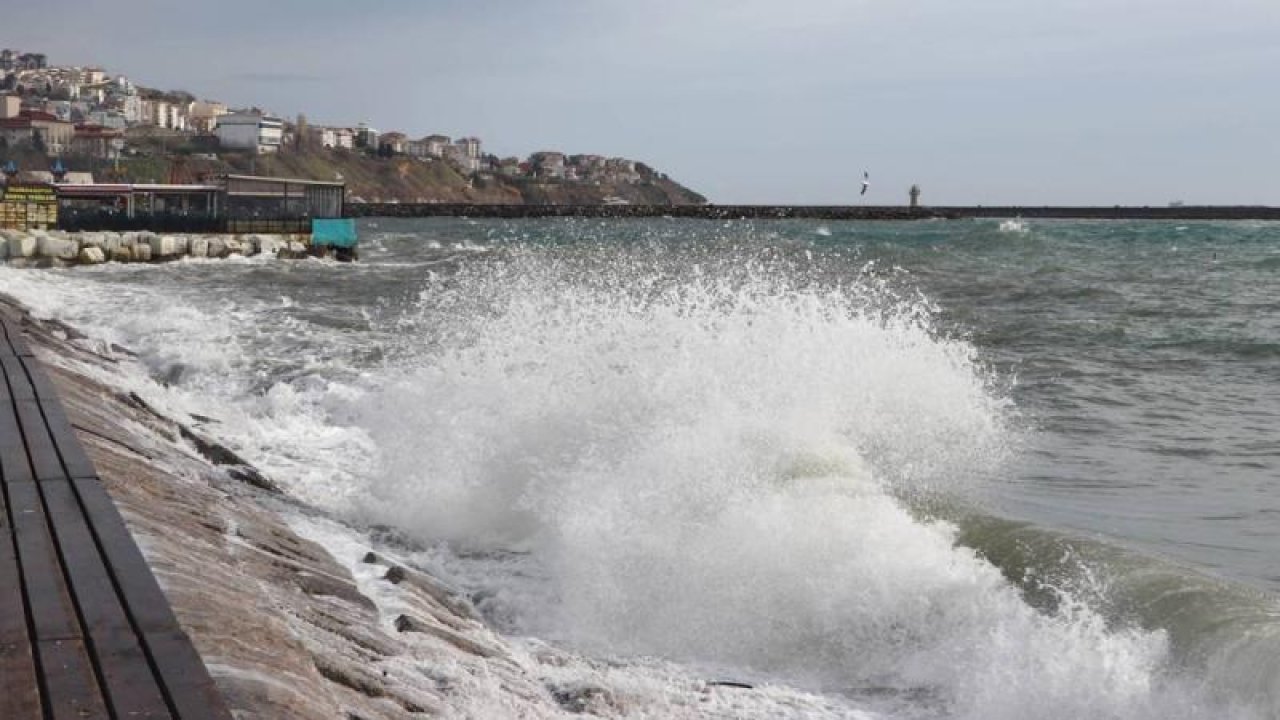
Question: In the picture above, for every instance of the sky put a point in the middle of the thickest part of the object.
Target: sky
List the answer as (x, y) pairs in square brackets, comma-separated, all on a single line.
[(979, 102)]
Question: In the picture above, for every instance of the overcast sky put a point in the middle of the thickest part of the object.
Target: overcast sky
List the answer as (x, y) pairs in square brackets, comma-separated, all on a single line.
[(978, 101)]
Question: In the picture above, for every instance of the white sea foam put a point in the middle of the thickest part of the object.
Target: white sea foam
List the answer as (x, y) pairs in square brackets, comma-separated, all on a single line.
[(703, 463), (707, 468), (1015, 225)]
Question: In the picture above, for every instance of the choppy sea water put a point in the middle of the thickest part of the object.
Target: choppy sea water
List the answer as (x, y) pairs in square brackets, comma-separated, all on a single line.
[(946, 469)]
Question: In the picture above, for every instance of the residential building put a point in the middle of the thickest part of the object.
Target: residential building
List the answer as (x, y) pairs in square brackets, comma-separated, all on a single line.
[(366, 137), (250, 131), (92, 76), (323, 137), (393, 142), (457, 154), (548, 165), (107, 119), (344, 138), (10, 106), (436, 144), (32, 124), (470, 146), (155, 113), (131, 109), (98, 141), (510, 167), (202, 116), (415, 148)]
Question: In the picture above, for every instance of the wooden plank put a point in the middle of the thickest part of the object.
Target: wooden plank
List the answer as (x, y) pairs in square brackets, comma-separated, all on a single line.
[(14, 464), (191, 689), (53, 615), (63, 662), (69, 449), (72, 689), (19, 687), (11, 340), (184, 677), (131, 689), (45, 463), (143, 598), (40, 383), (19, 386)]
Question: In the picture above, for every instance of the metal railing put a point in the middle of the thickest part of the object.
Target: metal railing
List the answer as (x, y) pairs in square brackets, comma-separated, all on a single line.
[(98, 221)]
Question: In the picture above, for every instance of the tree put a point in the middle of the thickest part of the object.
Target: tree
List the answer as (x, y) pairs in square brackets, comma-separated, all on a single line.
[(37, 141)]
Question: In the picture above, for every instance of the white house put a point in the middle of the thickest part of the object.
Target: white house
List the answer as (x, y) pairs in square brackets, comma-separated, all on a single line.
[(250, 131)]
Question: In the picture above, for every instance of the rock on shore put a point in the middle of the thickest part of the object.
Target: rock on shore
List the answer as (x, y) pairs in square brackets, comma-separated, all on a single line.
[(46, 248)]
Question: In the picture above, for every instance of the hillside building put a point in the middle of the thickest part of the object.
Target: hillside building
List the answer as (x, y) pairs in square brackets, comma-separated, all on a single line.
[(250, 131)]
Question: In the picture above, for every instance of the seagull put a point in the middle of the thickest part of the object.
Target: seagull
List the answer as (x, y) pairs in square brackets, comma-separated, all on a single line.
[(866, 182)]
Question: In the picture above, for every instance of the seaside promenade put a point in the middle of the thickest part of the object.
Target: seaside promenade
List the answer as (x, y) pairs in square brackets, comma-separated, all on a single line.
[(85, 630)]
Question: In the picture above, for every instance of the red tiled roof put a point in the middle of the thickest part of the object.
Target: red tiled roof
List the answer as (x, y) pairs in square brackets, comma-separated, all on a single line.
[(38, 115)]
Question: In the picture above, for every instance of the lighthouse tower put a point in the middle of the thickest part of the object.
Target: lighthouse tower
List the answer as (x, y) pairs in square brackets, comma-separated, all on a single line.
[(915, 196)]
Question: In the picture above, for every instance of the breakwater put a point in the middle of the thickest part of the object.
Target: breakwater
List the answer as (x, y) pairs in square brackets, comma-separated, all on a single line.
[(43, 248), (812, 212)]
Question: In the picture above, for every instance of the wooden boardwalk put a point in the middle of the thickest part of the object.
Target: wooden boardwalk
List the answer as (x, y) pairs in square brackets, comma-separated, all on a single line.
[(85, 631)]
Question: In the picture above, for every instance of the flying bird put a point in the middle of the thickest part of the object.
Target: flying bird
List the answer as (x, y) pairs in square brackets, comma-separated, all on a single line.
[(866, 182)]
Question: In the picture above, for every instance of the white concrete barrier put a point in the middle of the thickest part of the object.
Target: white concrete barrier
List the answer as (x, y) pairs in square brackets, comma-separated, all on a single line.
[(27, 246), (92, 255), (36, 247), (122, 253), (60, 248)]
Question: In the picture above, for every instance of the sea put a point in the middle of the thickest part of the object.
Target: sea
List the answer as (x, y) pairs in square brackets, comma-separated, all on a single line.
[(936, 469)]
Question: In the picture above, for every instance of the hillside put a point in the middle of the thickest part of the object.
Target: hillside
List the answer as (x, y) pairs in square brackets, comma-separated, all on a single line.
[(173, 157)]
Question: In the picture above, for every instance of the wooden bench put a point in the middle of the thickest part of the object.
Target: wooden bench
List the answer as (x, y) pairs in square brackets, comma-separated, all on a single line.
[(85, 631)]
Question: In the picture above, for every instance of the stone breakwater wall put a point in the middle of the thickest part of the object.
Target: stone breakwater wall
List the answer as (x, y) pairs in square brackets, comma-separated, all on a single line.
[(810, 212), (708, 212), (46, 248)]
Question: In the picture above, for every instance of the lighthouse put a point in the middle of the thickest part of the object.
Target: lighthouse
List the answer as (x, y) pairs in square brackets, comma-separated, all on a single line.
[(915, 196)]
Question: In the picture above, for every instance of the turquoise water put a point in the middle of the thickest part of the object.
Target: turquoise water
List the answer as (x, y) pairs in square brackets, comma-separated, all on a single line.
[(934, 469)]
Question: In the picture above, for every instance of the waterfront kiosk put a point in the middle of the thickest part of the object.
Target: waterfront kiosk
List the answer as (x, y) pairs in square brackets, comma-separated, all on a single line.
[(229, 204)]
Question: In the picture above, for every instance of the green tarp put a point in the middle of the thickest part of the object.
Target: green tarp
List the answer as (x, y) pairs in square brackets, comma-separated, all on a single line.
[(340, 233)]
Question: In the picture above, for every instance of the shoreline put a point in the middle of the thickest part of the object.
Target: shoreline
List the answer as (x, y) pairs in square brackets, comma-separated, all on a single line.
[(293, 614)]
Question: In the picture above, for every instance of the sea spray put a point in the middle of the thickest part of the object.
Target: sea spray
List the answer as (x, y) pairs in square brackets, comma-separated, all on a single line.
[(703, 463), (757, 537)]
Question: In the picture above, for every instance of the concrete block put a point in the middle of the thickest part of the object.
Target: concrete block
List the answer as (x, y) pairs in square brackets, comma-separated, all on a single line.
[(163, 245), (91, 240), (142, 252), (26, 246), (59, 247), (92, 255), (267, 244), (297, 248), (122, 253), (235, 247), (217, 246), (199, 247), (4, 247)]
